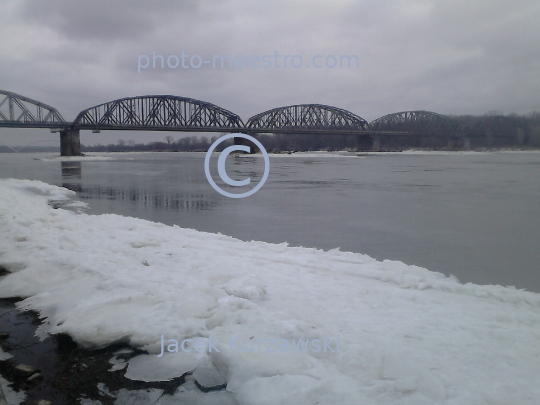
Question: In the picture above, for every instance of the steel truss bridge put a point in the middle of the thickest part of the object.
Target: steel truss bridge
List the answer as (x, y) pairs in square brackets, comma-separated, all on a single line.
[(174, 113), (20, 111)]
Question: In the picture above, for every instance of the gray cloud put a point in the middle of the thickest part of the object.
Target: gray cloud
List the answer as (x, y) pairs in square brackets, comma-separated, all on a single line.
[(104, 20), (448, 56)]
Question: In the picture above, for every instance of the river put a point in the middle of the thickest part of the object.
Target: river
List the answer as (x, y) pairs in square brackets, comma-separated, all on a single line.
[(473, 215)]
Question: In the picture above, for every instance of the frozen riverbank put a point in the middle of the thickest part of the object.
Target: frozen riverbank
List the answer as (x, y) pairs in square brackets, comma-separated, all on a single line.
[(407, 335)]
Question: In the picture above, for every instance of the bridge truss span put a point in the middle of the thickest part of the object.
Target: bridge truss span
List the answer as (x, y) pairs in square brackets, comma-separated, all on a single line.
[(21, 111), (420, 122), (307, 118), (162, 113)]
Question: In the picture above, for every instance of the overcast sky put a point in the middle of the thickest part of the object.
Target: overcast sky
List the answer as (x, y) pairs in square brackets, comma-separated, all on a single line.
[(446, 56)]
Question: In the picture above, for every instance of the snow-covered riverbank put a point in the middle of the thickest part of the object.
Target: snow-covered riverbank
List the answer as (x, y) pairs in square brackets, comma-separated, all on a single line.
[(406, 335)]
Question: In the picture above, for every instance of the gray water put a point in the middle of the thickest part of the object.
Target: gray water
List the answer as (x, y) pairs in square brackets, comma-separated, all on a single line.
[(475, 215)]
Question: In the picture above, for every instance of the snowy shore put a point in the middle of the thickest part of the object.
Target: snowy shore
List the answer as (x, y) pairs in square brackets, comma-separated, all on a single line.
[(407, 335)]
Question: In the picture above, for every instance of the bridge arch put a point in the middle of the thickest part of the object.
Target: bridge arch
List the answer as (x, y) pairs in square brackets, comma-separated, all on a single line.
[(420, 121), (158, 113), (17, 110), (307, 118)]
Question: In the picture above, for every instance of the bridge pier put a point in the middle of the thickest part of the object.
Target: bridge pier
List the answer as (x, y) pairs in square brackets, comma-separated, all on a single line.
[(466, 143), (242, 141), (376, 146), (363, 143), (70, 142)]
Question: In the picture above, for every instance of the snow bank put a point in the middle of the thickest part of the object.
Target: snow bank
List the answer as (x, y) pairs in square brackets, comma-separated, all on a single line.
[(406, 335)]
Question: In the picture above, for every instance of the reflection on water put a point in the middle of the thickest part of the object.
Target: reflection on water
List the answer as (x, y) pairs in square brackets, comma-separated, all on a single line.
[(71, 175), (150, 198), (147, 198)]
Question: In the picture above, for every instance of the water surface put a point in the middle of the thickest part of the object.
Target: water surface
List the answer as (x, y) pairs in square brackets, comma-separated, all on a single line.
[(474, 215)]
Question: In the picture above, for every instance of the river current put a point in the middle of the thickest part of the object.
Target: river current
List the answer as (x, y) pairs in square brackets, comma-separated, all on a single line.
[(473, 215)]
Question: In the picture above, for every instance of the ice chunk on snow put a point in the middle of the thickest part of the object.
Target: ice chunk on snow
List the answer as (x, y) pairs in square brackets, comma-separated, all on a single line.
[(4, 355), (86, 401), (104, 390), (138, 397), (207, 375), (150, 367), (189, 394), (118, 364), (12, 397)]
